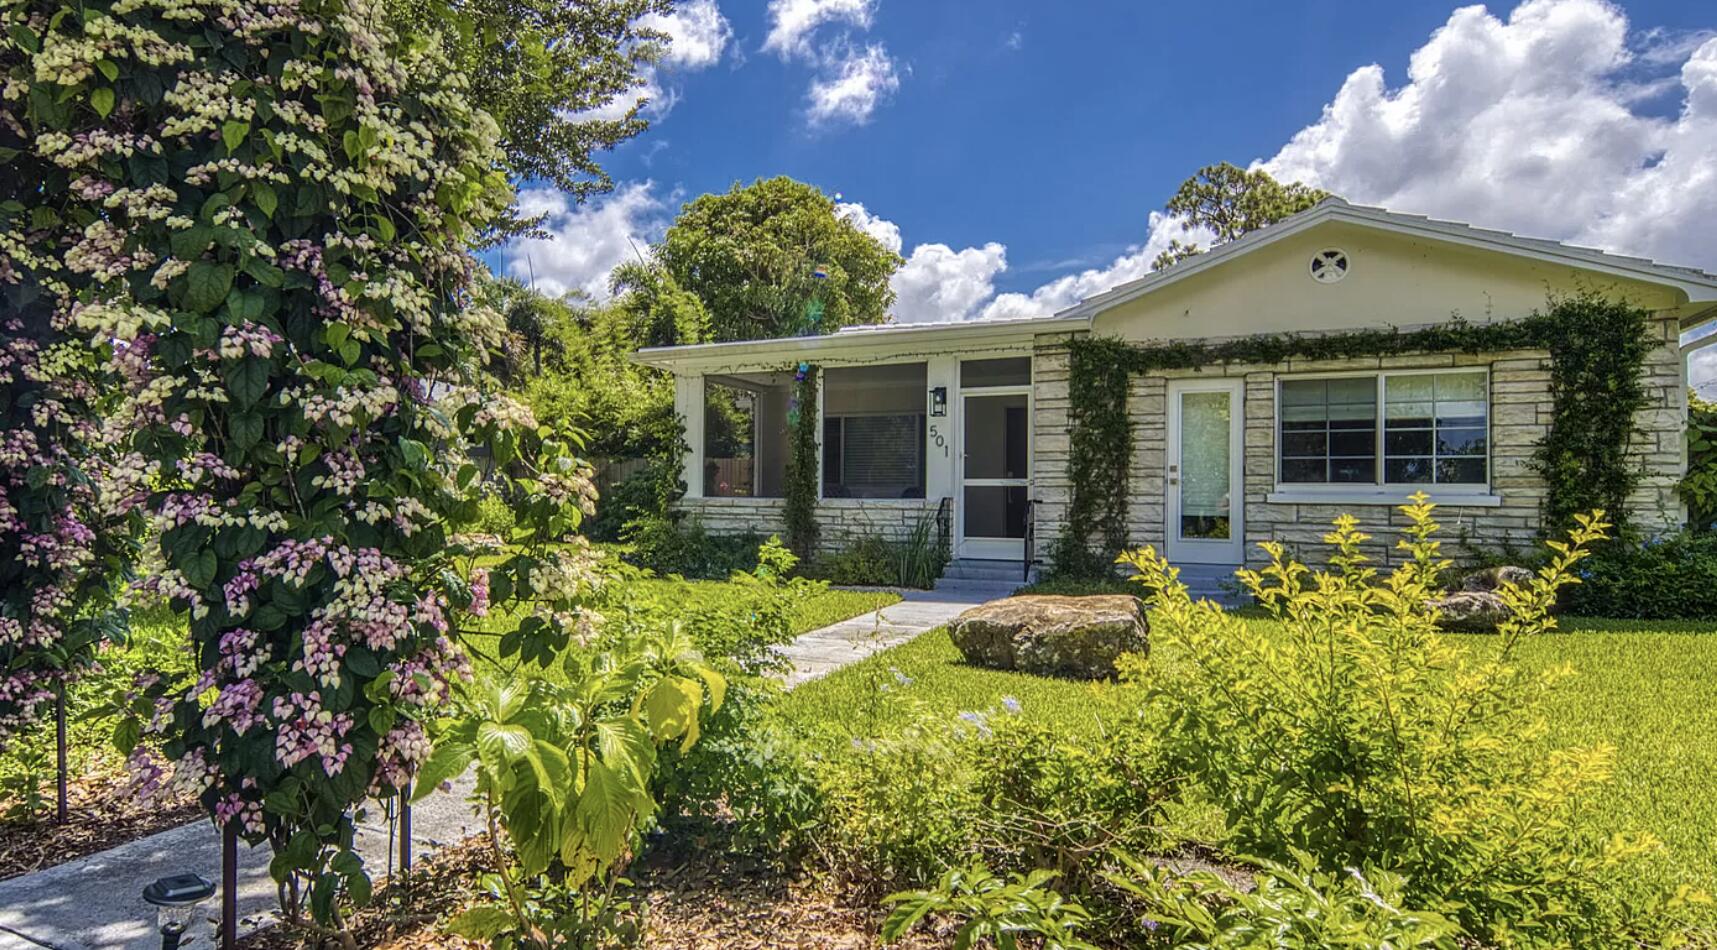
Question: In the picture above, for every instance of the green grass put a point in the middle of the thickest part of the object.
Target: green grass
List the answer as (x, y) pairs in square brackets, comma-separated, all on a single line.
[(1647, 688)]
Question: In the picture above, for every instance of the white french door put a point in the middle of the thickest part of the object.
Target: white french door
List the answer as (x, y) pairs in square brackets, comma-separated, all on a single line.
[(995, 472), (1205, 506)]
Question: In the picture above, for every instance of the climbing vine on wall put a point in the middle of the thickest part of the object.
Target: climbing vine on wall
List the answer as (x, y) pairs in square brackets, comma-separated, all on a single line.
[(1597, 349), (800, 515)]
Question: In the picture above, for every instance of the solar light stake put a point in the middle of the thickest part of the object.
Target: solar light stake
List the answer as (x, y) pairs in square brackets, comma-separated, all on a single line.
[(176, 899)]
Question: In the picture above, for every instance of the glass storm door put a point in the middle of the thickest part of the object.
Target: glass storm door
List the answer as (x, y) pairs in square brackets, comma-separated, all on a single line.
[(995, 476), (1205, 504)]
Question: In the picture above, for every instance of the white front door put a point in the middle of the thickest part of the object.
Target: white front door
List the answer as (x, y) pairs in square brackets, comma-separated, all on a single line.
[(995, 473), (1206, 504)]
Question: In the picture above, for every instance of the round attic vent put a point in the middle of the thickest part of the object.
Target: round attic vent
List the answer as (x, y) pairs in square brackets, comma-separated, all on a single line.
[(1329, 265)]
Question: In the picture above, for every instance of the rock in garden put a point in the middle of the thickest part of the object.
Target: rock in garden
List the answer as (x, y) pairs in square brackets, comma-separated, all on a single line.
[(1058, 636), (1492, 578), (1471, 611)]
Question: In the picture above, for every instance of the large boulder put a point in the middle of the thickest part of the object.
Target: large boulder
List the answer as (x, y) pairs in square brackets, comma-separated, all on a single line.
[(1471, 611), (1477, 607), (1055, 636)]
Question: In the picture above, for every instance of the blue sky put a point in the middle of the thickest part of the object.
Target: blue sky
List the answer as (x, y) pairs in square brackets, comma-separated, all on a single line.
[(1015, 151)]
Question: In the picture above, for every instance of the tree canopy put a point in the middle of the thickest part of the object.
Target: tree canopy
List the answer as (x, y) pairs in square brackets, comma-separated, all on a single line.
[(773, 259), (1232, 201), (550, 73)]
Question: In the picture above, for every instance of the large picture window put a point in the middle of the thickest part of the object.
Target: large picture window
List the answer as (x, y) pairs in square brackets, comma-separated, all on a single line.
[(1384, 429)]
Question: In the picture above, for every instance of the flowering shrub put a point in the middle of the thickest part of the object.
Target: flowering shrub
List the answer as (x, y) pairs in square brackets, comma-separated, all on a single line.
[(1361, 736), (267, 209), (65, 550)]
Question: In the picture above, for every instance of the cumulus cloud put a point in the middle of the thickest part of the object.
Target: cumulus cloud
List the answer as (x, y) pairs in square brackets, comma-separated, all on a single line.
[(1534, 124), (793, 22), (697, 33), (886, 232), (938, 284), (855, 83), (584, 242), (1065, 291), (850, 80)]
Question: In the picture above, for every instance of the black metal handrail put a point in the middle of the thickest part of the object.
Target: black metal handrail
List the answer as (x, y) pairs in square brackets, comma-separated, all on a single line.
[(945, 525), (1030, 538)]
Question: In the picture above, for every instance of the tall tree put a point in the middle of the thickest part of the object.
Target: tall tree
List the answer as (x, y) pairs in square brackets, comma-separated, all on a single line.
[(773, 259), (1231, 201), (554, 75)]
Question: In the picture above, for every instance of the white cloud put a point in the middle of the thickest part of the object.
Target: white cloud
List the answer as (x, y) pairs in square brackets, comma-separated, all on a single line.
[(792, 23), (938, 284), (886, 232), (697, 32), (585, 241), (855, 83), (656, 99), (1064, 292), (1531, 124)]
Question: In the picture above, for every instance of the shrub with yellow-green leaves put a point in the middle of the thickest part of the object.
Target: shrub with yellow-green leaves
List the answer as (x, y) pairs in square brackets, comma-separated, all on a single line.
[(1354, 732)]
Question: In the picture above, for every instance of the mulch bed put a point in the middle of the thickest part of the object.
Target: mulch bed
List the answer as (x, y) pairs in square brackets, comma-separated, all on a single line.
[(697, 899), (101, 815)]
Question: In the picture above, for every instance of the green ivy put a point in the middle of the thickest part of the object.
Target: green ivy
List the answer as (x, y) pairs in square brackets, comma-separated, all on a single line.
[(1699, 487), (803, 474), (1597, 349)]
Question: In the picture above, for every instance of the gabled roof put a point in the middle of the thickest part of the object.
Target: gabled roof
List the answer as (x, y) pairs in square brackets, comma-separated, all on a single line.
[(1697, 284)]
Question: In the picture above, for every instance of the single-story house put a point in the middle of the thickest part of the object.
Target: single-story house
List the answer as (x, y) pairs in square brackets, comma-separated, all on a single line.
[(971, 419)]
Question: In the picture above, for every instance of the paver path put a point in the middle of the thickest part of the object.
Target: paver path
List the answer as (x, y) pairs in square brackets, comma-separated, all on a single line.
[(95, 903)]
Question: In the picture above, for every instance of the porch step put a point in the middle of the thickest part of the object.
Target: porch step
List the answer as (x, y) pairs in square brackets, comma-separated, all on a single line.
[(973, 569), (982, 590)]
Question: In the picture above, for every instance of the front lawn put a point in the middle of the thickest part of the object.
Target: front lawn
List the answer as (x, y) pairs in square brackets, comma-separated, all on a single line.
[(1647, 688)]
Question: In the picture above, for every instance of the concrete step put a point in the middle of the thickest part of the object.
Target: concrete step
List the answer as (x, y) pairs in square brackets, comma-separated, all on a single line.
[(986, 589), (985, 570)]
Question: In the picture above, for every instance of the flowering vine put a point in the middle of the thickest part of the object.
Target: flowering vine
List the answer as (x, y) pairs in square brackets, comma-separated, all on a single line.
[(266, 211)]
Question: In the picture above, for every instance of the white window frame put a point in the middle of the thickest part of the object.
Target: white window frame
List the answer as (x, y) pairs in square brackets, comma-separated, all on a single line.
[(1380, 491)]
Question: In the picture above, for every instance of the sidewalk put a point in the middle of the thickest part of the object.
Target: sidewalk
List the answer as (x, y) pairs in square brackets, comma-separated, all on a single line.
[(95, 903)]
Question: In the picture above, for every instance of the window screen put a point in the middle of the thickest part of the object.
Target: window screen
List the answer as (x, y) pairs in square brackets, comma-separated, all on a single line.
[(1434, 429), (1329, 430)]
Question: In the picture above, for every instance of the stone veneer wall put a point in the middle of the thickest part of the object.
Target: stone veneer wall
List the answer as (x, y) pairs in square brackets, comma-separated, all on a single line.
[(840, 521), (1520, 415)]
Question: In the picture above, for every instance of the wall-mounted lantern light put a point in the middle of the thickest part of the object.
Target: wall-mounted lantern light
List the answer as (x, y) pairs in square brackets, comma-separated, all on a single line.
[(939, 401)]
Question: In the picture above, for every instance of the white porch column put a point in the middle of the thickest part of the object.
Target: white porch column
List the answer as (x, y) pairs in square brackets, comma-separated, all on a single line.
[(942, 441), (688, 405)]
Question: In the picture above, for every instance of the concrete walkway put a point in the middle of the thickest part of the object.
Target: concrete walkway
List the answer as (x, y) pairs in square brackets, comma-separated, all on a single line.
[(95, 903)]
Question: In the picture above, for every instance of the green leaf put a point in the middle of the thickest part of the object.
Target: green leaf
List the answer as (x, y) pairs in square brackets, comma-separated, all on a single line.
[(247, 380), (126, 734), (481, 923), (200, 570), (263, 194), (108, 68), (246, 431), (447, 761), (671, 708), (415, 452), (101, 98), (500, 745), (606, 810), (233, 134), (625, 745), (207, 286)]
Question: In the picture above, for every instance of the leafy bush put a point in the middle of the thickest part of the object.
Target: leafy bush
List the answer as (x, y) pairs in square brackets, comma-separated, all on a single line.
[(915, 560), (668, 545), (1363, 738), (1669, 578), (1699, 486), (990, 908), (566, 773), (494, 516), (994, 784), (1290, 907)]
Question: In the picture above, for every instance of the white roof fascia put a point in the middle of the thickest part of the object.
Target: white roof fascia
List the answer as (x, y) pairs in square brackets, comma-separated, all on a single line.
[(1697, 285), (864, 344)]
